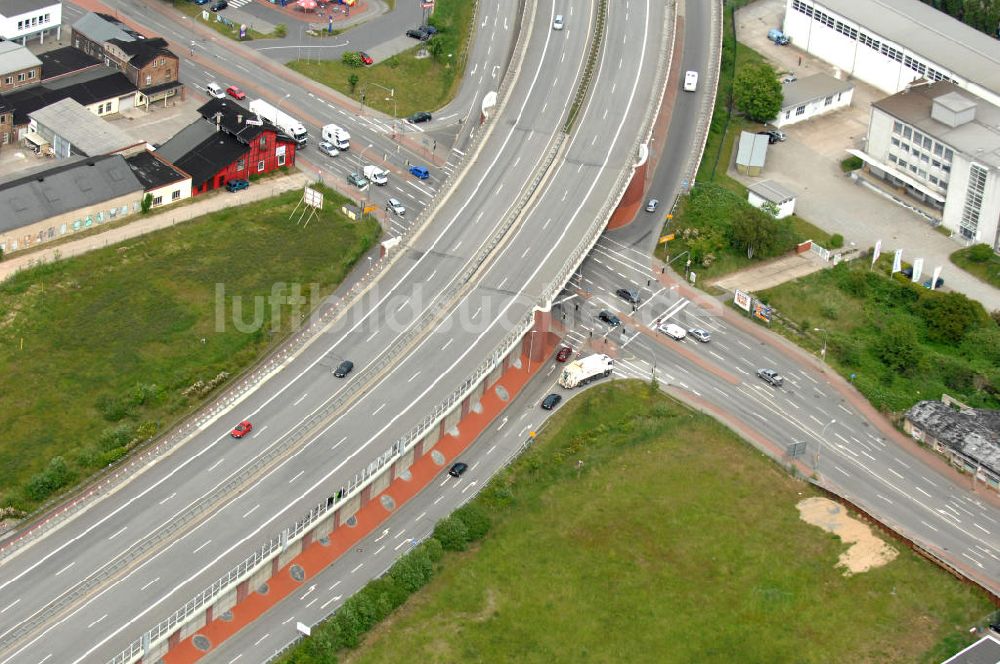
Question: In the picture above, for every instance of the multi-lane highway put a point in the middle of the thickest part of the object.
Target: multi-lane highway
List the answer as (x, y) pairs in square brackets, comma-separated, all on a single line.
[(138, 575)]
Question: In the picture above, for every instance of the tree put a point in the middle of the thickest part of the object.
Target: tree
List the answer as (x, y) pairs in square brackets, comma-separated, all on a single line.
[(980, 253), (950, 316), (352, 81), (897, 345), (758, 234), (757, 92), (351, 59), (147, 202)]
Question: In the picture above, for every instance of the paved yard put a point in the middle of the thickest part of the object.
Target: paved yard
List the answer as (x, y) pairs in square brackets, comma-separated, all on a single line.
[(808, 163)]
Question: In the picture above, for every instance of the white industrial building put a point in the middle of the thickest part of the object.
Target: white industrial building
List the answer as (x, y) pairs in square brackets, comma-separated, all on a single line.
[(812, 96), (941, 145), (769, 192), (890, 43), (21, 20)]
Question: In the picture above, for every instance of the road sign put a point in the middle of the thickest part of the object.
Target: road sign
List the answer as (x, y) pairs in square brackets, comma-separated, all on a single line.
[(666, 238)]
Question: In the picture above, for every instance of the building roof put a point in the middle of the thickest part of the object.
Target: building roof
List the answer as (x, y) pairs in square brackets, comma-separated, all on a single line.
[(101, 28), (201, 151), (971, 54), (153, 172), (65, 188), (232, 118), (975, 432), (65, 60), (14, 57), (984, 651), (87, 87), (86, 132), (142, 51), (17, 7), (811, 88), (752, 150), (771, 191), (978, 139)]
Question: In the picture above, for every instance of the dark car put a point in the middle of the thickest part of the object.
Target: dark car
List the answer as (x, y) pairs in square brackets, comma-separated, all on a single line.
[(420, 116), (201, 2), (771, 139), (219, 5), (343, 369), (701, 335), (418, 34), (365, 58), (630, 295), (458, 469), (429, 29), (564, 353), (237, 185), (770, 376), (241, 429), (938, 284), (609, 318), (907, 272), (551, 401)]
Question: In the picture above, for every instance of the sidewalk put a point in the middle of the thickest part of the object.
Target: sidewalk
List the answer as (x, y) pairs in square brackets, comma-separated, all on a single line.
[(771, 273), (143, 225)]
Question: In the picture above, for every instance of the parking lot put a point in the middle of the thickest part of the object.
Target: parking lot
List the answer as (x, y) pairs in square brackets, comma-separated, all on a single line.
[(808, 163)]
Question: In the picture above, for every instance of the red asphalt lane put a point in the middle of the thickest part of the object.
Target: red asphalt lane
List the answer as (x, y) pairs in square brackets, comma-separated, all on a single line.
[(316, 557)]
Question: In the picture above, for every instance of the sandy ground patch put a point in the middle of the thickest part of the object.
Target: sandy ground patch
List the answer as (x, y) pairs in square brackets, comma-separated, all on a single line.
[(866, 551)]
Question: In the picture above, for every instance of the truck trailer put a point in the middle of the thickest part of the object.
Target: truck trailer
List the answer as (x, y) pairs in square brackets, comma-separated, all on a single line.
[(283, 121), (585, 370)]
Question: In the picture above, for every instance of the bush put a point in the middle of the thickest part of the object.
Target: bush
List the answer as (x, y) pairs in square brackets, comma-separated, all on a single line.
[(147, 202), (836, 241), (116, 437), (351, 59), (54, 477), (980, 253), (452, 533), (949, 316), (280, 30), (113, 409), (476, 520), (897, 345), (852, 163)]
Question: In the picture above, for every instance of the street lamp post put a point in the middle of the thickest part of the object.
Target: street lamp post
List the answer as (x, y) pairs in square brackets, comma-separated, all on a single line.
[(282, 100), (819, 448), (825, 337), (531, 349)]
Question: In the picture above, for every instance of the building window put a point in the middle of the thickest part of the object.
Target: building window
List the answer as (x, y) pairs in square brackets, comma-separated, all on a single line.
[(905, 147), (893, 158), (6, 137), (946, 168), (149, 79), (20, 25), (948, 154), (8, 80), (924, 158), (894, 141), (938, 149), (933, 179), (260, 166), (902, 164), (20, 77), (828, 101), (800, 110), (907, 132), (177, 194), (897, 127), (31, 74), (158, 200), (935, 163), (241, 164), (263, 142), (281, 159), (913, 168), (922, 173), (927, 143), (788, 114), (917, 137), (973, 201)]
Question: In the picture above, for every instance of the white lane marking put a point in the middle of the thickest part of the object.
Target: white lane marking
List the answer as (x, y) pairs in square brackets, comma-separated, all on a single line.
[(980, 527), (300, 399), (297, 476), (97, 621), (413, 376), (207, 542), (65, 568), (252, 509), (4, 609), (360, 565), (258, 641), (150, 583), (168, 497), (448, 343), (117, 533), (337, 444), (378, 410), (213, 467)]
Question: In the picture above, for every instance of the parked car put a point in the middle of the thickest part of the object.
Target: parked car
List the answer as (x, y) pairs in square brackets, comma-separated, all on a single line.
[(343, 369), (420, 116), (770, 376), (201, 2), (777, 135), (358, 180), (907, 272), (457, 469), (219, 5), (630, 295), (393, 205), (551, 401), (237, 185), (564, 353), (418, 34), (557, 22), (778, 37), (429, 29), (789, 78), (701, 335), (652, 204), (241, 429), (235, 92), (365, 58), (420, 172), (609, 318), (328, 148), (771, 140), (938, 284), (673, 330)]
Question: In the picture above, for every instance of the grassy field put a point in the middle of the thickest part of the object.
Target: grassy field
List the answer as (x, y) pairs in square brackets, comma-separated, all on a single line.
[(99, 350), (424, 84), (902, 342), (987, 270), (674, 542)]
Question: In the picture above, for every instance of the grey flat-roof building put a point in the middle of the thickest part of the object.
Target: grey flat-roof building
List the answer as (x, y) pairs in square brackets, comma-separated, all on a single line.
[(889, 43), (941, 145), (751, 153), (970, 437), (811, 96), (73, 130), (770, 192)]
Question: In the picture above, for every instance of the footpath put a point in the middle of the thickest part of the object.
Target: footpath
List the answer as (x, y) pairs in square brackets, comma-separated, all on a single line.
[(168, 217)]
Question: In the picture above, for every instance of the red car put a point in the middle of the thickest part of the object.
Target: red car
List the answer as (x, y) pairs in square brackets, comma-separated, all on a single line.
[(235, 92), (365, 58), (242, 429), (564, 353)]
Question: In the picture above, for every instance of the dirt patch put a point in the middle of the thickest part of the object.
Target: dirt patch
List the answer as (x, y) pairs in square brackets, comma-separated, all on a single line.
[(866, 551)]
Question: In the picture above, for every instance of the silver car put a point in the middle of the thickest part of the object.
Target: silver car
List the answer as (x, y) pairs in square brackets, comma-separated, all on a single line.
[(393, 205), (328, 148), (701, 335), (652, 205), (770, 376)]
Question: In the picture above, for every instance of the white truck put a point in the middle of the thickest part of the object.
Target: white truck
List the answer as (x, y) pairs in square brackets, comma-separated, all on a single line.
[(283, 121), (338, 136), (377, 175), (585, 370)]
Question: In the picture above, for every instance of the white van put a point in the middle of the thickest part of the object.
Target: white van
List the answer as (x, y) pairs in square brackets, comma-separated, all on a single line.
[(215, 90), (690, 81), (338, 136)]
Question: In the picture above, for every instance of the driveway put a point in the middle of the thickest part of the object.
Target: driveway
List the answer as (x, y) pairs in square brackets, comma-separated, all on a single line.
[(808, 163)]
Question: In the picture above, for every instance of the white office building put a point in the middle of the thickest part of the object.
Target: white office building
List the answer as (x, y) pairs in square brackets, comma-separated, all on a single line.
[(941, 145), (889, 43), (24, 20), (814, 95)]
